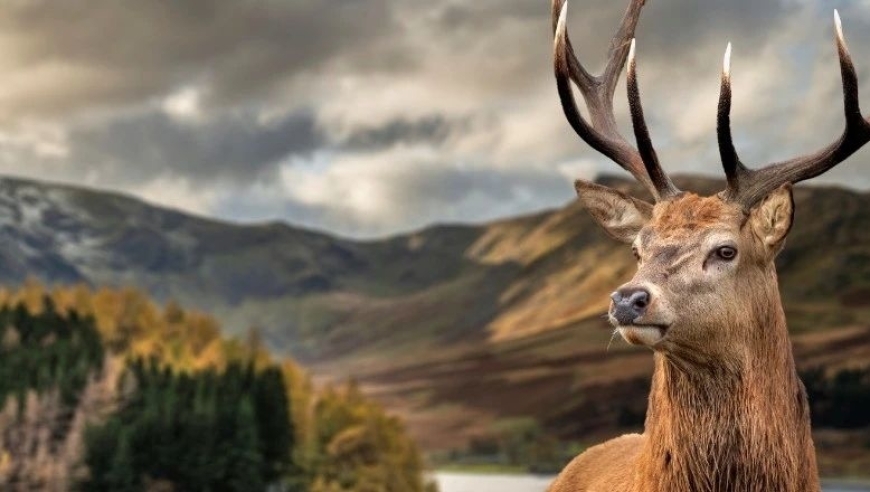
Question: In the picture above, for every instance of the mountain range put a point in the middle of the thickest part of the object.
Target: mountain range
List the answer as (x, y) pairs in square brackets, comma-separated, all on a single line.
[(454, 326)]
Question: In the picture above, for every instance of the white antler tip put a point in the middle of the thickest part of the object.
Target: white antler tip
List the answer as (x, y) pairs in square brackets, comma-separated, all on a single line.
[(631, 51), (726, 62), (839, 24), (561, 25)]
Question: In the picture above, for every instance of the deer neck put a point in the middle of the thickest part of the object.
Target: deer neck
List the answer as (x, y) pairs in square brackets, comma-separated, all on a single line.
[(743, 426)]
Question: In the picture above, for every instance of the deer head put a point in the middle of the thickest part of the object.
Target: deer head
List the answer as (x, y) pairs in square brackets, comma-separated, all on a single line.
[(704, 263)]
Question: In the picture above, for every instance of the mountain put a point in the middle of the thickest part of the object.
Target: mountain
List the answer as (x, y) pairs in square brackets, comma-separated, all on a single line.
[(454, 326), (295, 282)]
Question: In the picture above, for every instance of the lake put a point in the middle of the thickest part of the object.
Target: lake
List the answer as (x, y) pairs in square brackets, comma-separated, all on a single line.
[(467, 482)]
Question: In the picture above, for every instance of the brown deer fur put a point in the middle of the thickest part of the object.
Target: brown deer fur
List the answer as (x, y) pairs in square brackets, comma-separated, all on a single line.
[(727, 411)]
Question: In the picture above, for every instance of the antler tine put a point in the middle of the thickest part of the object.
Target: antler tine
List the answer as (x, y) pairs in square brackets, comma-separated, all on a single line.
[(730, 161), (641, 133), (603, 134), (576, 70), (754, 185)]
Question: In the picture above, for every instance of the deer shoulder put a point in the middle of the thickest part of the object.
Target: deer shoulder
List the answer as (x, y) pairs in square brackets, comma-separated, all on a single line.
[(606, 467)]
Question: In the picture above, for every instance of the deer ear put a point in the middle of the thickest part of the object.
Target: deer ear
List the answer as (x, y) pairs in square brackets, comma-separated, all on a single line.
[(619, 214), (771, 219)]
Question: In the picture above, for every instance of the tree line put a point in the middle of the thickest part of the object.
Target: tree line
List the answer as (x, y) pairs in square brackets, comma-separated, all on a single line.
[(188, 409), (207, 430)]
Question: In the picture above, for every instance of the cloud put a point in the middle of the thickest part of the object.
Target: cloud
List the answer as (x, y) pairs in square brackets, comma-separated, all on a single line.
[(82, 54), (406, 186), (368, 117), (234, 146), (433, 129)]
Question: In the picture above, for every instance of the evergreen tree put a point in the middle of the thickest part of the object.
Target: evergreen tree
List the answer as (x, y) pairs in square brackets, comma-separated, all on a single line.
[(121, 476), (244, 460)]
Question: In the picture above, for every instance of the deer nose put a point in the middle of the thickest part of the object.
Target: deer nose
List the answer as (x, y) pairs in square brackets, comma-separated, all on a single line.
[(629, 303)]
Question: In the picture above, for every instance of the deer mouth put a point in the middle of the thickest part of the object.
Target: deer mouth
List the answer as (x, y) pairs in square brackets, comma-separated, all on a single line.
[(647, 335)]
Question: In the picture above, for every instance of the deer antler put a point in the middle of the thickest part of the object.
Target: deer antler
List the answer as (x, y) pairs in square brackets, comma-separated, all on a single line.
[(749, 186), (603, 134)]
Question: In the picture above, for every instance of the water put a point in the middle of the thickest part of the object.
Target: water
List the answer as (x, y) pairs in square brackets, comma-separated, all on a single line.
[(467, 482)]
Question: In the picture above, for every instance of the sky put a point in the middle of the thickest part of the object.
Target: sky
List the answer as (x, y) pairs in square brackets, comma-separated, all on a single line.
[(367, 118)]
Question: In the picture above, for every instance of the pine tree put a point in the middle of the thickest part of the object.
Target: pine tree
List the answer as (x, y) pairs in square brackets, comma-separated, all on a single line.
[(121, 476), (274, 423), (244, 460)]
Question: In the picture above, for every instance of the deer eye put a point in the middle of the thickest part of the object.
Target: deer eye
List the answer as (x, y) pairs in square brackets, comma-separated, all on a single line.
[(726, 253)]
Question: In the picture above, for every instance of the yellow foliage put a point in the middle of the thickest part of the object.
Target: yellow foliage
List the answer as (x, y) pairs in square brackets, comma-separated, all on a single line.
[(133, 325), (361, 448), (344, 442)]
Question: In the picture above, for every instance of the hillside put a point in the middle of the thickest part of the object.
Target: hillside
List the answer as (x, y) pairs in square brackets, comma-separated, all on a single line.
[(268, 275), (457, 327)]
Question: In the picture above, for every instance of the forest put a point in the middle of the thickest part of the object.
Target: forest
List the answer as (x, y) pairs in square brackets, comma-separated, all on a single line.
[(105, 390)]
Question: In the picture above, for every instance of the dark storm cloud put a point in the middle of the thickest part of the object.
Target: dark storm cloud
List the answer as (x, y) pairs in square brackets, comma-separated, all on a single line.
[(117, 52), (233, 146), (676, 28), (432, 129), (669, 28)]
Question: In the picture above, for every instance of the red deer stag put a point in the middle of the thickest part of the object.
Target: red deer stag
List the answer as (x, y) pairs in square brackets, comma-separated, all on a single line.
[(727, 411)]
